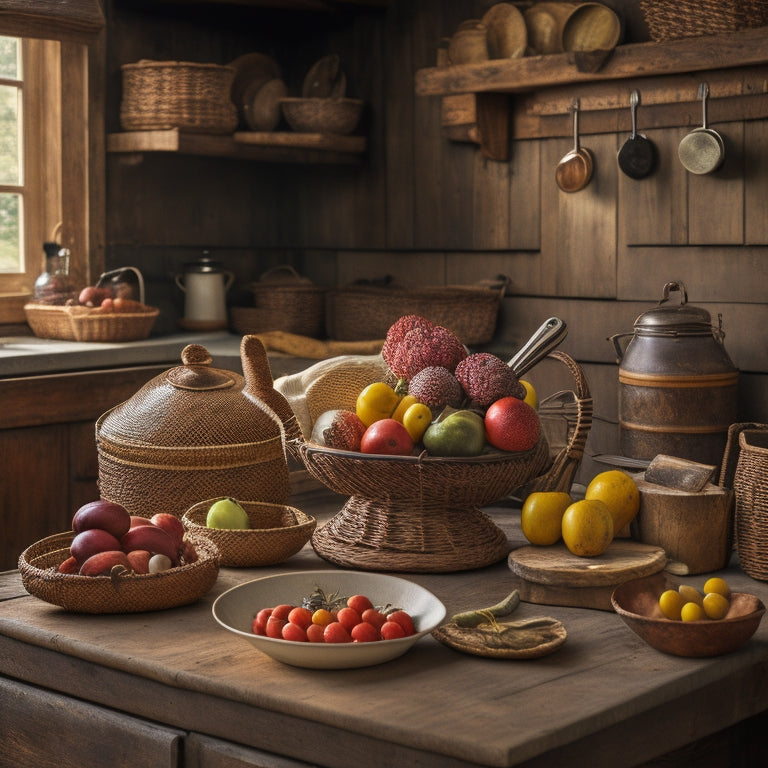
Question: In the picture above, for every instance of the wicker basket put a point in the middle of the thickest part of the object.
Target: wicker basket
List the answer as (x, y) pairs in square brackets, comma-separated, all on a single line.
[(367, 312), (675, 19), (745, 469), (132, 593), (277, 532), (78, 323), (423, 514), (159, 95), (283, 301)]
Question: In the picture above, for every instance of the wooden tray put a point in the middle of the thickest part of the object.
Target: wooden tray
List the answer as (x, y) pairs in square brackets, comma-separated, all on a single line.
[(554, 576)]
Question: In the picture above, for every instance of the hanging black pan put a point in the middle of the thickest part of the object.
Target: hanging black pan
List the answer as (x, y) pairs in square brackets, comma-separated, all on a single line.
[(637, 157)]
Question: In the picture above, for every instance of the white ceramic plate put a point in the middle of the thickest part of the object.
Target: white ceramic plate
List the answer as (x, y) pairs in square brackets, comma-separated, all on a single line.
[(236, 608)]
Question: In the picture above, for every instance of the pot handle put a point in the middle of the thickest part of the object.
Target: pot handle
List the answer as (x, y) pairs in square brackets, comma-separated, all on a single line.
[(179, 282), (617, 345), (675, 285)]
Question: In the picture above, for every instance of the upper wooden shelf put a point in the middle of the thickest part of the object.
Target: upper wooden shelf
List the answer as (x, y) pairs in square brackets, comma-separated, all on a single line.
[(265, 147)]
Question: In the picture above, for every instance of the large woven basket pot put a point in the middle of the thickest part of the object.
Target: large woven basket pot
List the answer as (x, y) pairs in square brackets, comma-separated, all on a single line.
[(196, 432), (424, 514)]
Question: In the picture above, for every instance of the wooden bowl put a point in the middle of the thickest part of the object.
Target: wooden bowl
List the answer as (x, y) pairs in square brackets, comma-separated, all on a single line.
[(318, 115), (637, 602)]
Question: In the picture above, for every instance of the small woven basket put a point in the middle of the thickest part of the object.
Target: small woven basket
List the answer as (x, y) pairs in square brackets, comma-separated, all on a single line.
[(675, 19), (159, 95), (367, 312), (77, 323), (130, 593), (283, 301), (745, 469), (277, 532)]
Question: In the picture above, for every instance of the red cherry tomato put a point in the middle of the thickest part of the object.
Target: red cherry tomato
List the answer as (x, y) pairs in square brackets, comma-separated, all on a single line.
[(275, 627), (260, 622), (348, 618), (315, 633), (391, 630), (404, 620), (360, 603), (364, 633), (281, 611), (294, 632), (336, 633), (300, 616), (372, 616)]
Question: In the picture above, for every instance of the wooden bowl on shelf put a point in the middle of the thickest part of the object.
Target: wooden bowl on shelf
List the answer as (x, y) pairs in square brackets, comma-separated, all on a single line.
[(321, 115)]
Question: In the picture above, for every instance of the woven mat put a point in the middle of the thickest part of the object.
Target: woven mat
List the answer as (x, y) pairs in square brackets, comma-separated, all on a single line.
[(304, 346)]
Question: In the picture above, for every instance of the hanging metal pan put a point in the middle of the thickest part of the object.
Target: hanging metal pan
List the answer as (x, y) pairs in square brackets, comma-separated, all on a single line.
[(702, 151), (574, 170), (637, 156)]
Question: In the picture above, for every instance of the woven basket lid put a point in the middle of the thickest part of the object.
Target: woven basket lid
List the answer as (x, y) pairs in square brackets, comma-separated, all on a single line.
[(195, 404)]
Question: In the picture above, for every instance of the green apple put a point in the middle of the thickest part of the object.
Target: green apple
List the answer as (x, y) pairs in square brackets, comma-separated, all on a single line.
[(227, 513), (462, 433)]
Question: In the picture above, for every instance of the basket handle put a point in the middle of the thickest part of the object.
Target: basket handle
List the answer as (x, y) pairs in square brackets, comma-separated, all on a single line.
[(732, 451), (559, 476)]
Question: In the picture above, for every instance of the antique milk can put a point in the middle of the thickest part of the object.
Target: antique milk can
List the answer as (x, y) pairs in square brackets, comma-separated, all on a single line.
[(677, 385)]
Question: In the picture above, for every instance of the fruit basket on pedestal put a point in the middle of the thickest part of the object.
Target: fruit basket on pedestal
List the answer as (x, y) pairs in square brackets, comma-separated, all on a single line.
[(424, 513)]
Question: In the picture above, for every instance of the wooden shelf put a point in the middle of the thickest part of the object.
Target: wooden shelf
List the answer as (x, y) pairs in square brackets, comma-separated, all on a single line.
[(476, 96), (263, 147)]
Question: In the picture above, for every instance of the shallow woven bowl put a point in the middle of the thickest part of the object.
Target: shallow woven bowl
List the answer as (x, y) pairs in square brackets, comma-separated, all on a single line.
[(637, 601), (236, 608), (132, 593), (277, 532), (338, 116)]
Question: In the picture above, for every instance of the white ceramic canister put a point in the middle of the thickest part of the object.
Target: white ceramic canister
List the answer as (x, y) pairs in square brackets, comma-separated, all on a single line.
[(205, 284)]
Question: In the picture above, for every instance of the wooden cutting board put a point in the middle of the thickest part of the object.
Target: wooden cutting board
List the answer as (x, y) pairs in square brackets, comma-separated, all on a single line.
[(555, 576)]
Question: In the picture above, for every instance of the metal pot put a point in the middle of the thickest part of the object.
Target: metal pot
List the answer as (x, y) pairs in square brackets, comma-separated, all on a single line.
[(574, 170), (702, 151), (677, 384), (637, 156), (205, 283)]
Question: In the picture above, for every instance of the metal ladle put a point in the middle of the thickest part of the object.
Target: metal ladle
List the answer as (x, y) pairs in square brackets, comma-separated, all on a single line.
[(637, 156), (702, 150), (574, 171)]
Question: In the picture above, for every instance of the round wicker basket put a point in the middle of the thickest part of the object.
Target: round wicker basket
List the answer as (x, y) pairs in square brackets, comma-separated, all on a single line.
[(132, 593), (277, 532)]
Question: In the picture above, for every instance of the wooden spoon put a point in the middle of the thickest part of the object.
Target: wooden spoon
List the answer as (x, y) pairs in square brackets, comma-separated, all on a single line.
[(574, 171)]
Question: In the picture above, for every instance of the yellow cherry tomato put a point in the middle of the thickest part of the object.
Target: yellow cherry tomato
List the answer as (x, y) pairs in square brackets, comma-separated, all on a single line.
[(405, 403), (715, 605), (692, 612), (716, 584), (377, 401), (416, 420)]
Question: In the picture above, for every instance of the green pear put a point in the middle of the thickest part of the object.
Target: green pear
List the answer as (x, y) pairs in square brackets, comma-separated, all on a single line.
[(461, 433), (227, 513)]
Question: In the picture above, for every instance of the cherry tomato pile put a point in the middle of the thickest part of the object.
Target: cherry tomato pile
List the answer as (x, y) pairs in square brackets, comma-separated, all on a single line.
[(356, 622)]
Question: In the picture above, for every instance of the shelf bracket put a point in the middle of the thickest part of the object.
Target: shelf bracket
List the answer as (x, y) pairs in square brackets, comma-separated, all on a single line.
[(480, 118)]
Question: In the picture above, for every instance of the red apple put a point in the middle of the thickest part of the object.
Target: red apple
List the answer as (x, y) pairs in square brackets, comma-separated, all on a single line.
[(171, 525), (512, 425), (387, 436)]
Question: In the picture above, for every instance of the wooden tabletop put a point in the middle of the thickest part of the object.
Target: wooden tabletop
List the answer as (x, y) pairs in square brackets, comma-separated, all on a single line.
[(603, 699)]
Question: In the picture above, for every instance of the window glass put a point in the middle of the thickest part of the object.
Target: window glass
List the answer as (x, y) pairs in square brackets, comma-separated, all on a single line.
[(10, 240), (9, 58), (10, 157), (9, 135)]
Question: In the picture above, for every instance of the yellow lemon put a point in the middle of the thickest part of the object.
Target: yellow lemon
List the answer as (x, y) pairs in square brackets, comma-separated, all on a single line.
[(416, 420), (716, 584), (692, 612), (541, 517), (587, 527), (619, 492), (530, 394), (671, 603), (715, 605), (690, 594)]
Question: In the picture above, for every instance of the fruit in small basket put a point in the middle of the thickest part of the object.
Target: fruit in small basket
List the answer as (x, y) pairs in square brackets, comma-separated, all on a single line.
[(338, 428), (91, 542), (619, 492), (486, 378), (151, 538), (587, 528), (457, 433), (91, 296), (227, 513), (530, 394), (139, 560), (103, 514), (105, 563), (159, 563), (171, 524), (416, 420), (436, 387), (388, 437), (512, 425), (376, 401)]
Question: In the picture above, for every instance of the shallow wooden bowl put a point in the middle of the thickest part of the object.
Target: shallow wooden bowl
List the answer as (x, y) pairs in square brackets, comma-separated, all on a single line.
[(320, 115), (637, 602)]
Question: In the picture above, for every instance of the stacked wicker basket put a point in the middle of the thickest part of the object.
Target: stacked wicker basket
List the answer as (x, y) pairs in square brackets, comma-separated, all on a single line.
[(674, 19)]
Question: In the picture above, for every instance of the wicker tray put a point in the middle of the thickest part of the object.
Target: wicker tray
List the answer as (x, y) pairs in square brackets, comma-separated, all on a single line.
[(367, 312), (78, 323), (675, 19), (277, 532), (124, 594), (423, 514), (160, 95)]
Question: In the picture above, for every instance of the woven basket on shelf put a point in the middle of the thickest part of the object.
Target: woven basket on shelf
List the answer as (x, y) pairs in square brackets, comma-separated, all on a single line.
[(745, 469), (277, 532), (422, 513), (129, 593), (675, 19), (77, 323), (367, 312), (159, 95), (283, 301)]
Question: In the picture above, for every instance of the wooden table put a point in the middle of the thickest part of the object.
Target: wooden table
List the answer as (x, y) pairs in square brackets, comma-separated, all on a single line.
[(173, 688)]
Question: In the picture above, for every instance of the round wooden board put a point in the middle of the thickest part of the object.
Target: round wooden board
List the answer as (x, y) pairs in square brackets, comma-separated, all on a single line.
[(557, 566)]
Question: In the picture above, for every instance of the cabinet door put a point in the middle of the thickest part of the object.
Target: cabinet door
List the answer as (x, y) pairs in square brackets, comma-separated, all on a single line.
[(47, 730), (205, 752)]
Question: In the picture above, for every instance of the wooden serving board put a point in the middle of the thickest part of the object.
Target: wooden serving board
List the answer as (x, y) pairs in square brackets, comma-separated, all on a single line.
[(555, 576)]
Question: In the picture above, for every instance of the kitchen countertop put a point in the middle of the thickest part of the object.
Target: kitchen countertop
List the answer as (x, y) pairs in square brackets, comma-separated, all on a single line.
[(604, 698)]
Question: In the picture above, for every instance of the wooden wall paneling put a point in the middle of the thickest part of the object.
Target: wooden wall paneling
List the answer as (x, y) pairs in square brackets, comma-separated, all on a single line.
[(525, 215), (410, 268), (755, 182), (716, 200), (654, 210), (491, 206), (753, 397), (578, 241), (83, 464)]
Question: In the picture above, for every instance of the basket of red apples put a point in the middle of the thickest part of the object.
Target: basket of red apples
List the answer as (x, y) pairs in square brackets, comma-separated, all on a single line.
[(114, 562)]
